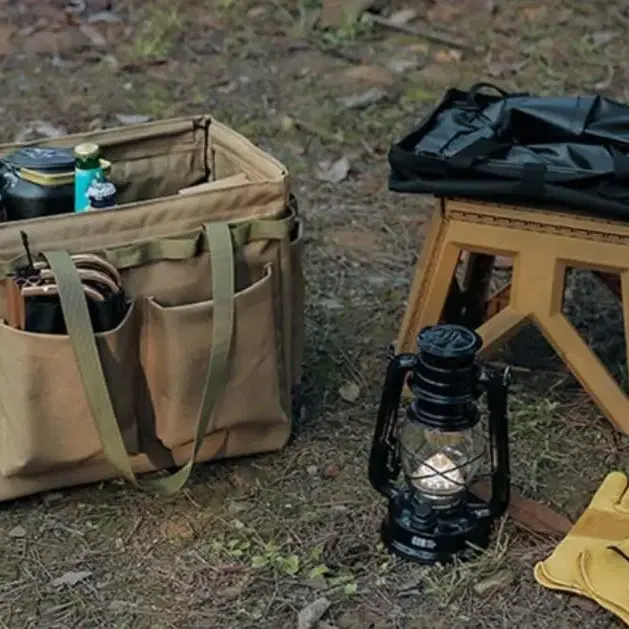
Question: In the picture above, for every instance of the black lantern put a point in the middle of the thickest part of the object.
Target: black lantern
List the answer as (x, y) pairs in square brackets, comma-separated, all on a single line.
[(441, 447)]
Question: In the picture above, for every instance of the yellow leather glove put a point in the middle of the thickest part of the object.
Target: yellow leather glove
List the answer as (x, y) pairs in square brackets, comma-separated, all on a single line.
[(605, 521), (605, 573)]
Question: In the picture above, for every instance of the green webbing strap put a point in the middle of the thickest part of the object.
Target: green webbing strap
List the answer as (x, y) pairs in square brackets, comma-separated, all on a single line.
[(74, 307), (138, 254), (182, 247)]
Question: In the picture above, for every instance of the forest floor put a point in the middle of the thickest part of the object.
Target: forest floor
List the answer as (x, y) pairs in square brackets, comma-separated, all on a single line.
[(326, 96)]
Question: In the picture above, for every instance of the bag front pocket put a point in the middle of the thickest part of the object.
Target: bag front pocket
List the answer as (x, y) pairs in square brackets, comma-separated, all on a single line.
[(176, 354), (45, 419)]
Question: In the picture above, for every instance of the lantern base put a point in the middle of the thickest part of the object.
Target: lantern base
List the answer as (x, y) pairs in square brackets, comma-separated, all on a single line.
[(423, 535)]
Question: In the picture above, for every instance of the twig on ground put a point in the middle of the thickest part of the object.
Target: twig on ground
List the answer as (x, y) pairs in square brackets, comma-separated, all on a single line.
[(424, 32), (133, 530), (333, 51), (620, 16), (312, 129)]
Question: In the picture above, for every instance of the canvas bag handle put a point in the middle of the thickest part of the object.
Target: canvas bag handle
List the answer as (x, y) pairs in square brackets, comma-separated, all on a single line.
[(81, 335)]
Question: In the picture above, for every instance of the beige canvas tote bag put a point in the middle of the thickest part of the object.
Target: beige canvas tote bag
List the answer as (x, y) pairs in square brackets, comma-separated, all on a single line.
[(205, 364)]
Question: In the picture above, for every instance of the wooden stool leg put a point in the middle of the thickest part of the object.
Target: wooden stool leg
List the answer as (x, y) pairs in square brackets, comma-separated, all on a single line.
[(623, 293), (431, 285), (587, 369), (500, 329)]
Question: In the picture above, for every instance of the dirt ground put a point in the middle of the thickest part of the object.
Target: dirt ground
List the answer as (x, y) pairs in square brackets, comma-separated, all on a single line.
[(250, 543)]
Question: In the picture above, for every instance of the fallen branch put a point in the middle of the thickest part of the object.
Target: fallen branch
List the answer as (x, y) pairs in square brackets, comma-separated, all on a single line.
[(333, 51), (312, 129), (530, 514), (419, 31)]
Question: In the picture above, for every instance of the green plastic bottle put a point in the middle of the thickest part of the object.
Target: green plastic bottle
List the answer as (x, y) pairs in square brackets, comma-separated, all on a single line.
[(87, 168)]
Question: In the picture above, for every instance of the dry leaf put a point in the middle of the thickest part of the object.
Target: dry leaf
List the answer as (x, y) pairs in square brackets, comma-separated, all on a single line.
[(447, 12), (607, 81), (603, 37), (310, 615), (448, 56), (501, 579), (360, 101), (418, 48), (532, 515), (93, 35), (400, 66), (132, 118), (333, 173), (336, 13), (256, 12), (586, 604), (71, 578), (103, 16), (55, 41), (329, 303), (533, 12), (17, 532), (176, 529), (349, 391), (288, 124), (332, 470), (39, 129), (403, 17), (370, 74), (6, 35), (504, 69)]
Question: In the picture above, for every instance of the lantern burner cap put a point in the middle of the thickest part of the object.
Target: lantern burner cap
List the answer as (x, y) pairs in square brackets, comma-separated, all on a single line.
[(447, 340)]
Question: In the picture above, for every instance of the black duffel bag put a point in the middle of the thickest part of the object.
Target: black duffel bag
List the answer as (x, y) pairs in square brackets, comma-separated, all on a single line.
[(567, 151)]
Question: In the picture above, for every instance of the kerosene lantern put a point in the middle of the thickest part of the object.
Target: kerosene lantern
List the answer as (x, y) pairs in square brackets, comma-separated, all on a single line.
[(441, 447)]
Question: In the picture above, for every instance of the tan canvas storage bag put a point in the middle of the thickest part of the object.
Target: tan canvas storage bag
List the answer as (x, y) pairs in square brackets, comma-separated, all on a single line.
[(208, 242)]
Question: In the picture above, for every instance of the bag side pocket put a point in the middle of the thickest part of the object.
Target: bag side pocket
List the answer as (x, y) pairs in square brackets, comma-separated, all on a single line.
[(176, 354), (45, 420)]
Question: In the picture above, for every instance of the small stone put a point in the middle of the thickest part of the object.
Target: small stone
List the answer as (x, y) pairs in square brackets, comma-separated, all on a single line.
[(403, 65), (335, 172), (349, 391), (366, 99), (53, 497), (310, 615), (399, 18), (288, 124), (312, 470), (317, 583), (71, 578), (131, 119), (17, 532)]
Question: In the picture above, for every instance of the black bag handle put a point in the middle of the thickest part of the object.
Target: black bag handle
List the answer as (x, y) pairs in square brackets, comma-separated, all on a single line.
[(477, 87)]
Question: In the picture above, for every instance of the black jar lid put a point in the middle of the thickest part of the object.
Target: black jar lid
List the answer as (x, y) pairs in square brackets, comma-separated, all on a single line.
[(42, 159)]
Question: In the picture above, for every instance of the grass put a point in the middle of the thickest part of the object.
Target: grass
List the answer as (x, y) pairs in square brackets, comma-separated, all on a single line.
[(162, 25)]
